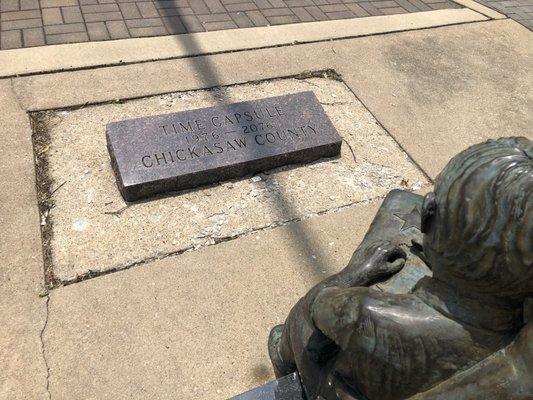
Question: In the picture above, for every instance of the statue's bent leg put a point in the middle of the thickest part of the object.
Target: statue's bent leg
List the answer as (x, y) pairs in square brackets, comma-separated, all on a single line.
[(298, 343)]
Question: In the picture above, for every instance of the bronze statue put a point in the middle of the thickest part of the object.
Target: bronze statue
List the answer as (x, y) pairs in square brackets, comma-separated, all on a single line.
[(435, 303)]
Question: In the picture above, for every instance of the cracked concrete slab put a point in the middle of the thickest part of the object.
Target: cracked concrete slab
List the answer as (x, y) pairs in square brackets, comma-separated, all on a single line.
[(94, 230), (23, 368), (193, 326)]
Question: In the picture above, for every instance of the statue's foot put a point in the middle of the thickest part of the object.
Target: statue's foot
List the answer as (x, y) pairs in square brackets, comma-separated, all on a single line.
[(281, 368)]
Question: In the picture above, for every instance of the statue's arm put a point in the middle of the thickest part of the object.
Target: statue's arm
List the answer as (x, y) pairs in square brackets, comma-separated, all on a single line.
[(301, 344), (370, 263), (506, 375)]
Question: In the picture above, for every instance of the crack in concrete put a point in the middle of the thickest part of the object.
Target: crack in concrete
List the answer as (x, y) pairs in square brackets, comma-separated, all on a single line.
[(351, 150), (117, 213), (43, 353), (337, 103), (402, 148)]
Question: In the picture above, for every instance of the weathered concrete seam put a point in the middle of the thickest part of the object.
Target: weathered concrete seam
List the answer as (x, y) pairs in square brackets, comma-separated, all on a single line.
[(416, 163), (14, 93)]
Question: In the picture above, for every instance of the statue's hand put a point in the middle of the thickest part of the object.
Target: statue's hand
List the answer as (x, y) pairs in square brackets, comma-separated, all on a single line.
[(373, 262)]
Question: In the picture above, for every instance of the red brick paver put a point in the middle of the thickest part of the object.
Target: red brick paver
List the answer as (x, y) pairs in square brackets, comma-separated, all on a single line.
[(27, 23)]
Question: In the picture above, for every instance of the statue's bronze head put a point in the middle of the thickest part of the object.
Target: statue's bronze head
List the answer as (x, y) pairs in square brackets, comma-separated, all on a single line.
[(478, 223)]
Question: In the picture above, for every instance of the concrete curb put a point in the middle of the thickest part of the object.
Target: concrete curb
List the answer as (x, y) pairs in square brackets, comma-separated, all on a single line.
[(96, 54)]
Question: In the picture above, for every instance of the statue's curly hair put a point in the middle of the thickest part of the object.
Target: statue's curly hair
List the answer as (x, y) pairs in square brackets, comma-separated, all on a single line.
[(482, 234)]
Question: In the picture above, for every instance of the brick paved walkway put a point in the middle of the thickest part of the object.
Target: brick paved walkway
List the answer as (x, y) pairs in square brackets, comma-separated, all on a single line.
[(27, 23), (519, 10)]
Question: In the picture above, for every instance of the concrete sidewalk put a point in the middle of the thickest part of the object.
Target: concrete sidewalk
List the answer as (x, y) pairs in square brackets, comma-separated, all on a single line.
[(195, 325)]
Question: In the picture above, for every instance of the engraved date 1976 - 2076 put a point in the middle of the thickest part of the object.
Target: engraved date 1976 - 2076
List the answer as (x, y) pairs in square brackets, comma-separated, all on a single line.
[(195, 138)]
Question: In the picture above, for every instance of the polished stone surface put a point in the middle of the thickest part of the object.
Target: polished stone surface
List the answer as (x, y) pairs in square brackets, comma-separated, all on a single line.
[(171, 152)]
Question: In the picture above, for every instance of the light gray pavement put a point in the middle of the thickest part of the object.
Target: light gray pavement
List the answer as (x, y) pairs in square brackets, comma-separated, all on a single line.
[(193, 326), (125, 335)]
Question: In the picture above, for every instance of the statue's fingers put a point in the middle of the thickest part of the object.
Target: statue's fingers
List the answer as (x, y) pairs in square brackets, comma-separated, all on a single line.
[(392, 253), (396, 265)]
